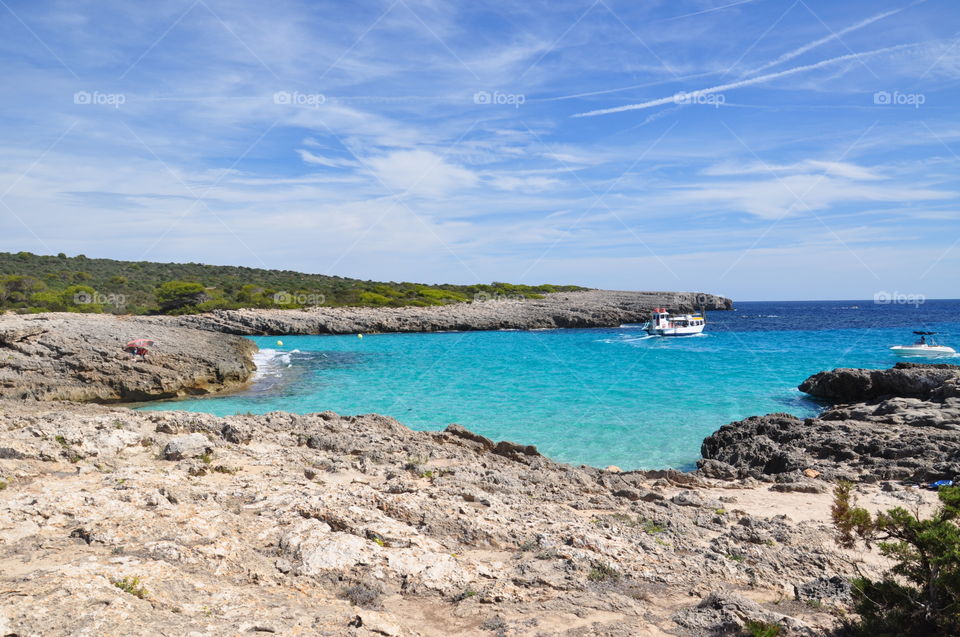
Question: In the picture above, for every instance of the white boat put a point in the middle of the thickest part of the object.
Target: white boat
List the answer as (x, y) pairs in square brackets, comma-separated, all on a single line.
[(662, 323), (926, 346)]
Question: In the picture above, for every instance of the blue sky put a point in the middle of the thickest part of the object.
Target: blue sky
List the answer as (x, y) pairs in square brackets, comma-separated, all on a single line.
[(760, 149)]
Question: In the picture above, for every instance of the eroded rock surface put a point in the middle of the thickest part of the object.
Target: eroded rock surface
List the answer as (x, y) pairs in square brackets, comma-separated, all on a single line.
[(328, 525), (63, 356)]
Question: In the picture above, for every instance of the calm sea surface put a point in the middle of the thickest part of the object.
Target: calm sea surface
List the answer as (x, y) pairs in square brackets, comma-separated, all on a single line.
[(597, 396)]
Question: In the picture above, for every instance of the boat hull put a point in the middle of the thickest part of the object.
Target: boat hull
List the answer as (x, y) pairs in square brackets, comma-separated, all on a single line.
[(926, 351), (675, 331)]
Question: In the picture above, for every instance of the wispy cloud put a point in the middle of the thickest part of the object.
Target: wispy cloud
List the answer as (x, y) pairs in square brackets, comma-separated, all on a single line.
[(319, 160)]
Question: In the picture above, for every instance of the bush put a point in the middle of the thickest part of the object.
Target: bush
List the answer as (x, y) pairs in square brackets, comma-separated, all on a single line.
[(602, 572), (131, 585), (363, 595), (761, 629), (920, 595)]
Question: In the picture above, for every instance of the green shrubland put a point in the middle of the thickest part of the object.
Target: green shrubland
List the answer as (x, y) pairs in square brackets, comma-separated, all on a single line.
[(36, 283)]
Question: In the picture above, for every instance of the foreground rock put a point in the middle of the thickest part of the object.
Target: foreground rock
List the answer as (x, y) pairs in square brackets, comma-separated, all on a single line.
[(907, 427), (184, 523), (64, 356), (592, 308)]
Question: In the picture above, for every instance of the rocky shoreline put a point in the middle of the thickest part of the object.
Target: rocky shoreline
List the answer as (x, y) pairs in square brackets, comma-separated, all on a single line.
[(590, 308)]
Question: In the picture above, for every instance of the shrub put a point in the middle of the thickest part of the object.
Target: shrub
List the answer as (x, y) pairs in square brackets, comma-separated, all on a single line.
[(761, 629), (920, 594), (131, 585), (363, 595), (602, 572)]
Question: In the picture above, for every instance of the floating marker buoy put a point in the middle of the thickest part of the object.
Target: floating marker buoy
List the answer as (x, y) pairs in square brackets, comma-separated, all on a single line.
[(359, 335), (280, 343)]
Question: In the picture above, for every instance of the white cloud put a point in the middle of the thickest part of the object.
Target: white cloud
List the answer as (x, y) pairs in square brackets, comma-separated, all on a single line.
[(420, 172), (797, 194), (313, 158), (524, 184), (836, 168)]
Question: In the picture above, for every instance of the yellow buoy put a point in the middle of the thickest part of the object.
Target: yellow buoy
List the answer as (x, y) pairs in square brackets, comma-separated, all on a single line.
[(359, 335), (280, 343)]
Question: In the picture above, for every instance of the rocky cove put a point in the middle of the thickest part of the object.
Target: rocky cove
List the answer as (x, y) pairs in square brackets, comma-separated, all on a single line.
[(121, 522)]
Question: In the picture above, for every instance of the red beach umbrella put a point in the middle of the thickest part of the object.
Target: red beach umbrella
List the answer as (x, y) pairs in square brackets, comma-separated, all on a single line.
[(140, 342)]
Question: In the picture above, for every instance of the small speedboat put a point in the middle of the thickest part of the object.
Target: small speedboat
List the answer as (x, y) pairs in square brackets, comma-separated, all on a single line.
[(662, 323), (926, 346)]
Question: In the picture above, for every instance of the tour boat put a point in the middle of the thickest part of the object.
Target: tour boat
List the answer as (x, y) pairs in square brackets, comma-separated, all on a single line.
[(662, 323), (926, 346)]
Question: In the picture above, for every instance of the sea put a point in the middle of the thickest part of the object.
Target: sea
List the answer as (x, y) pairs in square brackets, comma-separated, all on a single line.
[(589, 396)]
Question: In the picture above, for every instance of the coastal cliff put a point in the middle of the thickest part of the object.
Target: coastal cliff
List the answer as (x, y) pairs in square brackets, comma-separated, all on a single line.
[(80, 357), (591, 308)]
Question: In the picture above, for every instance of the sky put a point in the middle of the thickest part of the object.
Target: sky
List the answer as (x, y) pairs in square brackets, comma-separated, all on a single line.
[(760, 149)]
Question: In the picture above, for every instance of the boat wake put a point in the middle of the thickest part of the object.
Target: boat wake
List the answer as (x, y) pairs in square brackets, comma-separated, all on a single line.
[(271, 362), (629, 339)]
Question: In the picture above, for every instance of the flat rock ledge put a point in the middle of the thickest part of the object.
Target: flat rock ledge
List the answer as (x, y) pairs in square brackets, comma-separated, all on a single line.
[(591, 308), (80, 357), (901, 423), (175, 523)]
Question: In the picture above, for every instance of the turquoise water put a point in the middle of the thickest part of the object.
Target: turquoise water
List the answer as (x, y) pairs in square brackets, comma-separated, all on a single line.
[(599, 396)]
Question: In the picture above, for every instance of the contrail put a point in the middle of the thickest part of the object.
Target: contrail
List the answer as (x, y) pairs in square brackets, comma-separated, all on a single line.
[(689, 15), (753, 80), (829, 38)]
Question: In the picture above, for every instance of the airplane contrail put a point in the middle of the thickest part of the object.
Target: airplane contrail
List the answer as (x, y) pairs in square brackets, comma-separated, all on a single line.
[(748, 82), (828, 38)]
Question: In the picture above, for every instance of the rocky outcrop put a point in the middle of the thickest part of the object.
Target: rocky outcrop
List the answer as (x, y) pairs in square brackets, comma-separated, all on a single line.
[(185, 523), (907, 380), (591, 308), (80, 357), (907, 428)]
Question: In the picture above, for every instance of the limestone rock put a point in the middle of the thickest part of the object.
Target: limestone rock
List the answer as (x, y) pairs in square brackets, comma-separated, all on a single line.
[(189, 446)]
